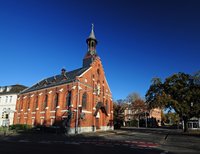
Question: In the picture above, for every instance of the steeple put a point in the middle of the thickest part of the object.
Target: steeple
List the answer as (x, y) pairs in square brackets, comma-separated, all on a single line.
[(91, 41), (91, 44)]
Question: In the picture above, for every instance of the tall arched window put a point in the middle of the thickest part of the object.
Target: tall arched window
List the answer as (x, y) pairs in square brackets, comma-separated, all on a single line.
[(107, 106), (29, 99), (25, 105), (35, 103), (84, 100), (45, 102), (68, 99), (55, 102)]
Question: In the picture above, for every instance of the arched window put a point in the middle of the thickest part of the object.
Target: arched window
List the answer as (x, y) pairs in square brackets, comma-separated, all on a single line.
[(92, 44), (55, 102), (45, 102), (84, 100), (107, 106), (25, 105), (68, 99), (35, 103), (29, 102)]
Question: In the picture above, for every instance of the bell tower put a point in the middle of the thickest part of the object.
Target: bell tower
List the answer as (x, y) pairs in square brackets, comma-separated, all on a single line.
[(91, 53)]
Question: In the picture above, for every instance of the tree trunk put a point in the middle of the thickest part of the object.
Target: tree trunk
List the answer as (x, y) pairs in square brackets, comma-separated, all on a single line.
[(185, 124)]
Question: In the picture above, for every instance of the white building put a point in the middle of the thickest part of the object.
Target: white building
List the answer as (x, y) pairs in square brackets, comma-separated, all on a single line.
[(8, 99)]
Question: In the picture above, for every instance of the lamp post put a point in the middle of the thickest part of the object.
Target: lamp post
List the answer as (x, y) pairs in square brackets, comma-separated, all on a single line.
[(78, 105)]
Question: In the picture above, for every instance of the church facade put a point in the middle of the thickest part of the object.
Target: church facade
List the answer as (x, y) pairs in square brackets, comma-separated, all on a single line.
[(77, 101)]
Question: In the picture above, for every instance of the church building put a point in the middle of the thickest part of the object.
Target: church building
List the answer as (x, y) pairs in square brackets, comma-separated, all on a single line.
[(77, 101)]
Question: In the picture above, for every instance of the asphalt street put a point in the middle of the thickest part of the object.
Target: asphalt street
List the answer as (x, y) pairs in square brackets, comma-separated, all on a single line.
[(128, 140)]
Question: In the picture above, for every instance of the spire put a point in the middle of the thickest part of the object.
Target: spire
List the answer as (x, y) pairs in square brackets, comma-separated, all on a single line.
[(92, 36), (91, 53)]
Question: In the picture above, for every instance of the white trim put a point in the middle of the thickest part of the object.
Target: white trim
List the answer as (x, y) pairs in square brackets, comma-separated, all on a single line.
[(47, 108), (64, 116), (52, 111), (64, 110), (32, 112), (24, 97), (42, 112), (61, 90), (50, 92), (41, 117), (32, 95), (84, 111), (84, 72), (33, 117), (25, 113), (57, 107), (40, 94), (52, 117)]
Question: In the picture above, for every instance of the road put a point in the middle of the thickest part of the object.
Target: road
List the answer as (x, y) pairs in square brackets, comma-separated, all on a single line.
[(132, 140)]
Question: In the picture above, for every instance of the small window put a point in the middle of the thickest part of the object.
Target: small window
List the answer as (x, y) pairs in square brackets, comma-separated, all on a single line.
[(6, 99), (98, 71), (10, 99)]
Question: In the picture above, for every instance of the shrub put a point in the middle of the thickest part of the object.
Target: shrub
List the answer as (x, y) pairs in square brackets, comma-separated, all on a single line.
[(24, 127)]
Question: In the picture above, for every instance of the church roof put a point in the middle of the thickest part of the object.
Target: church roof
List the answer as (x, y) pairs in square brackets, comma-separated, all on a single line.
[(60, 79)]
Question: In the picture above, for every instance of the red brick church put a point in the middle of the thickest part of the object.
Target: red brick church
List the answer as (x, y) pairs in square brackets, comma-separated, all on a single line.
[(78, 100)]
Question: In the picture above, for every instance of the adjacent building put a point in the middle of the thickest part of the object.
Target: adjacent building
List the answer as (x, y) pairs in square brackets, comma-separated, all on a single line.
[(145, 118), (8, 99), (77, 101)]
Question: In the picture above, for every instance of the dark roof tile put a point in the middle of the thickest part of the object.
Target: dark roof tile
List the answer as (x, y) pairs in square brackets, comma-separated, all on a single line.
[(56, 80)]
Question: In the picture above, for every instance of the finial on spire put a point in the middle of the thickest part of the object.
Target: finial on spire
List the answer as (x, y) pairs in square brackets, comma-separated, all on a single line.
[(92, 36), (92, 26)]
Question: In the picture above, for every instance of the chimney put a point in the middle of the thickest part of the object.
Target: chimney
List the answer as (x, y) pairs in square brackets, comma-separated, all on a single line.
[(63, 71)]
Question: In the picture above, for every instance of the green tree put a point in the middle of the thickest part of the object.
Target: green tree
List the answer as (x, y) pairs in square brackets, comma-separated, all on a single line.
[(180, 91), (118, 113), (133, 97)]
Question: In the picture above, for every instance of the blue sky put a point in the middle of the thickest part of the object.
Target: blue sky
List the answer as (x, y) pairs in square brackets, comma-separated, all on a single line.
[(137, 40)]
